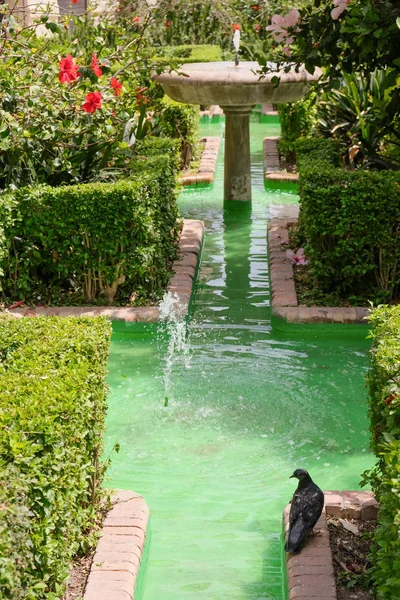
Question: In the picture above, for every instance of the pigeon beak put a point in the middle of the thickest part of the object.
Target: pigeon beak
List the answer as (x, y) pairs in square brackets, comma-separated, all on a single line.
[(292, 476)]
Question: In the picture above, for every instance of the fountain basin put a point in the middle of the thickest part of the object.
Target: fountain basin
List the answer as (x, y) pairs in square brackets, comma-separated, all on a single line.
[(224, 84)]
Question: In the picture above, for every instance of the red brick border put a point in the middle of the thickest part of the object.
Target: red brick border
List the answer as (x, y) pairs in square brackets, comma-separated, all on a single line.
[(116, 562), (284, 297), (190, 245), (310, 574), (208, 163), (272, 167)]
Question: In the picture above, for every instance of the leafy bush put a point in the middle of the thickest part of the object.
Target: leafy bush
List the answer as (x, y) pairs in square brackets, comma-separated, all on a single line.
[(297, 120), (53, 399), (349, 221), (180, 121), (384, 412), (93, 238), (359, 115)]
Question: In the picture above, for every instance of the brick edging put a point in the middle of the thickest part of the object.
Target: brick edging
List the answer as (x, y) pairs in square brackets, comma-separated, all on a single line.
[(284, 304), (208, 163), (310, 574), (190, 244), (272, 167), (116, 562)]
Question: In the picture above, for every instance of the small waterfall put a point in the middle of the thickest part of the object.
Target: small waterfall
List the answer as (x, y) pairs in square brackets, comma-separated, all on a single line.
[(172, 316)]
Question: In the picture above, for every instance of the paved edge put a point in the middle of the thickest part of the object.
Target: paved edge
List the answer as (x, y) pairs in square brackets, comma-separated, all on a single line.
[(310, 573), (272, 168), (116, 562), (284, 298), (190, 244), (208, 163)]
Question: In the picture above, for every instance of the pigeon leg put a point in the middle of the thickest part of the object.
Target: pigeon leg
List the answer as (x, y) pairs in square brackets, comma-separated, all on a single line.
[(315, 532)]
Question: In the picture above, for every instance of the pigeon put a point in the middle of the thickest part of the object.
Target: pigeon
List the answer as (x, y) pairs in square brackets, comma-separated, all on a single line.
[(306, 509)]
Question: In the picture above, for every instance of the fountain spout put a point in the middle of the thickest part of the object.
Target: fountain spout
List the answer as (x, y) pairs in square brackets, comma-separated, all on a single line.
[(236, 43)]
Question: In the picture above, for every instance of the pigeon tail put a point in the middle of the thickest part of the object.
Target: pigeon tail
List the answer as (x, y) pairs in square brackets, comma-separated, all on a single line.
[(296, 536)]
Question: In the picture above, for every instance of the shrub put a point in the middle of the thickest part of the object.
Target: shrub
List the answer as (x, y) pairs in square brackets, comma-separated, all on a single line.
[(94, 237), (349, 221), (384, 412), (318, 149), (180, 121), (53, 404), (188, 53), (296, 119)]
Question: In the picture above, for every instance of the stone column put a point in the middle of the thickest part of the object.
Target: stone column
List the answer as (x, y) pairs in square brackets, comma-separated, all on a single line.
[(237, 179)]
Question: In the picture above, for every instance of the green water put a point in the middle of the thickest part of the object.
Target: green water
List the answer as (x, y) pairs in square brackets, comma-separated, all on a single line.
[(247, 405)]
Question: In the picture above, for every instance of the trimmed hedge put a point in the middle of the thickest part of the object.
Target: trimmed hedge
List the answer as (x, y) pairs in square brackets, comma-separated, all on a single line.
[(349, 221), (180, 121), (296, 120), (188, 53), (318, 149), (53, 404), (100, 238), (384, 412)]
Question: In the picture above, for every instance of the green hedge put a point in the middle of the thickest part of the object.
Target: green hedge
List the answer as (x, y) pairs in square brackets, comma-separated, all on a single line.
[(98, 238), (317, 149), (384, 411), (188, 53), (296, 120), (349, 221), (180, 121), (53, 404)]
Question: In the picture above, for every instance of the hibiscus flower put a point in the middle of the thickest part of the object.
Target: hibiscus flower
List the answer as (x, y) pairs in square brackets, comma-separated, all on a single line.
[(68, 70), (280, 25), (236, 27), (95, 66), (116, 86), (93, 102), (298, 257), (341, 6), (136, 20)]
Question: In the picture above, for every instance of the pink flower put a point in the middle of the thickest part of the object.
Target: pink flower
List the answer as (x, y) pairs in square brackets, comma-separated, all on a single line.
[(341, 6), (286, 50), (298, 257), (136, 20), (280, 25)]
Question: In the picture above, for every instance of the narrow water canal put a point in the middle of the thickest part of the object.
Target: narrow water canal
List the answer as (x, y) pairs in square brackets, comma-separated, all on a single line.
[(247, 406)]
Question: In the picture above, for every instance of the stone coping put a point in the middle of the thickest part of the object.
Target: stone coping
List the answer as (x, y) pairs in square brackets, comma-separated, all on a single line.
[(208, 163), (272, 168), (181, 283), (310, 574), (284, 303), (116, 562)]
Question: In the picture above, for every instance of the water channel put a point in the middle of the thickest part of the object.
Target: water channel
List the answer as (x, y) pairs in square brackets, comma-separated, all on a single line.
[(248, 403)]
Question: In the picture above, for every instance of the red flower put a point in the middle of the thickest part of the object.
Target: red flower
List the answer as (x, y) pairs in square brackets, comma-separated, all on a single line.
[(95, 66), (116, 86), (167, 24), (136, 19), (68, 70), (257, 28), (389, 399), (74, 1), (140, 99), (236, 27), (256, 7), (93, 102)]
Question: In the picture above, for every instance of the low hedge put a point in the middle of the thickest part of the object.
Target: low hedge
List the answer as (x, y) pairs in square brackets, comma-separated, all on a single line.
[(296, 120), (318, 149), (349, 221), (188, 53), (53, 404), (180, 121), (88, 242), (384, 412)]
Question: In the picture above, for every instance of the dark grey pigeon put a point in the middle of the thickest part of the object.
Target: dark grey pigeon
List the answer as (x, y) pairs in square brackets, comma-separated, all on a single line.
[(306, 509)]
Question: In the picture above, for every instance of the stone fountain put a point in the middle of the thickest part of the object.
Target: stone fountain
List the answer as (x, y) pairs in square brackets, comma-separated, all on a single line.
[(236, 88)]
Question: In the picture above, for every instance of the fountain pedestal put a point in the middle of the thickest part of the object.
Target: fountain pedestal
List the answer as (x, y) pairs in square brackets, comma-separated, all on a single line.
[(237, 178)]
